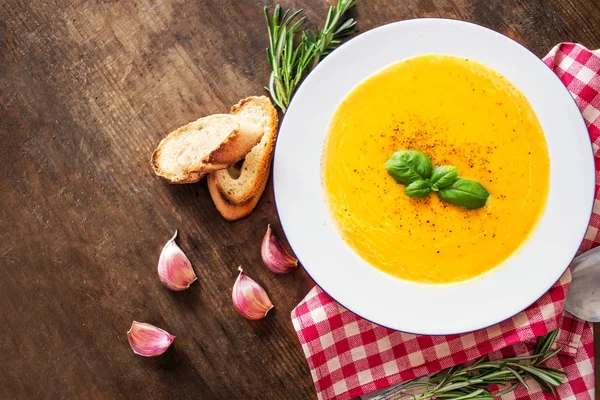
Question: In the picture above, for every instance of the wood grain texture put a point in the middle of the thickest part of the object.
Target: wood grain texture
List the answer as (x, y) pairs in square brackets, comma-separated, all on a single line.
[(87, 89)]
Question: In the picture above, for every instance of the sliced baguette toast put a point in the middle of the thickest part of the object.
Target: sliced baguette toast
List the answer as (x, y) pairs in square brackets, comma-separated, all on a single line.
[(236, 193), (208, 144), (228, 210)]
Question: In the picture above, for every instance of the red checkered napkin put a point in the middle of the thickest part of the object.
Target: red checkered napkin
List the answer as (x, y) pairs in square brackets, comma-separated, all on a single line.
[(349, 356)]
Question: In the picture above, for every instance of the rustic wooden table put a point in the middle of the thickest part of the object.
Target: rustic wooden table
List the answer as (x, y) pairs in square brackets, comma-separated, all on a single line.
[(87, 89)]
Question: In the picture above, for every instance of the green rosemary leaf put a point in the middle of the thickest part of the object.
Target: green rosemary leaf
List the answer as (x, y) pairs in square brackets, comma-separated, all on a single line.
[(521, 358), (453, 386), (546, 342), (540, 373), (549, 355), (347, 28), (518, 377), (560, 374), (543, 384), (489, 365), (292, 16), (479, 361), (495, 374)]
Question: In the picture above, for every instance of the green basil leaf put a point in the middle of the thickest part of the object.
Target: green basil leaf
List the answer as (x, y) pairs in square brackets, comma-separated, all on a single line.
[(443, 176), (465, 193), (407, 166), (418, 189)]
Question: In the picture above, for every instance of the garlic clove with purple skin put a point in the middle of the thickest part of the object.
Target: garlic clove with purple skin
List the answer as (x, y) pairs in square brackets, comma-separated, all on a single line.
[(174, 268), (274, 255), (249, 298), (148, 340)]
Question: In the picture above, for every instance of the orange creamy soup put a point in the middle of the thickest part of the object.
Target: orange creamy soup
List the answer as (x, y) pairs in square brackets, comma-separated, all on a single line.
[(460, 113)]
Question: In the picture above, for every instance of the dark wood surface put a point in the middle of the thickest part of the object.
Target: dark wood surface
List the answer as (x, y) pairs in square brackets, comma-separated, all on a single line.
[(87, 89)]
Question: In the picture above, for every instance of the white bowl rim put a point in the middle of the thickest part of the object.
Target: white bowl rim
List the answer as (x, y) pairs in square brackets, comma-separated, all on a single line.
[(397, 319)]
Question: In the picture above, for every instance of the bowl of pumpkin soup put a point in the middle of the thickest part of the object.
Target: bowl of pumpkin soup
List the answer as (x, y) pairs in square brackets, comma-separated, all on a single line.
[(434, 176)]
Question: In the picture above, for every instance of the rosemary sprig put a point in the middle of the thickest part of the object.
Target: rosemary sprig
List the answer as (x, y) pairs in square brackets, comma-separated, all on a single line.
[(291, 60), (473, 381)]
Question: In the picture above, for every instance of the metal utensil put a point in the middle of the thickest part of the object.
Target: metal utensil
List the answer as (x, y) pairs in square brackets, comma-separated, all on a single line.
[(583, 299)]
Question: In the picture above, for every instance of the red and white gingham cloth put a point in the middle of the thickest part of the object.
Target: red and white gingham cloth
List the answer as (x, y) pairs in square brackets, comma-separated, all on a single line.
[(349, 356)]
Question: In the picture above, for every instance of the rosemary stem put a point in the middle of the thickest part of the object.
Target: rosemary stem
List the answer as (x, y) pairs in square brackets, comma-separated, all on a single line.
[(290, 61), (475, 381)]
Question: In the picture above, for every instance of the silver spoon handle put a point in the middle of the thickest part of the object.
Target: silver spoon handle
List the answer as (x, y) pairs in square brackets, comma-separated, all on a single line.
[(583, 299)]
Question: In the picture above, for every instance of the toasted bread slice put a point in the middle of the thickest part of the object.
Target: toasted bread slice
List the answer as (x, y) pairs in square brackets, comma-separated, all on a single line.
[(241, 189), (228, 210), (208, 144)]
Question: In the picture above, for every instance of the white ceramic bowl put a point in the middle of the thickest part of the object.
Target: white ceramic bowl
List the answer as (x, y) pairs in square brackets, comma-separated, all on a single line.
[(381, 298)]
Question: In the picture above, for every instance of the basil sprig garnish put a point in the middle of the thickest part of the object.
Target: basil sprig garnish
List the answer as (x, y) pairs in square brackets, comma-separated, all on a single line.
[(415, 170)]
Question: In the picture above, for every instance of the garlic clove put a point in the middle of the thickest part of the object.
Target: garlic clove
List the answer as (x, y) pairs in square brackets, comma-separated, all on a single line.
[(249, 298), (174, 268), (148, 340), (274, 255)]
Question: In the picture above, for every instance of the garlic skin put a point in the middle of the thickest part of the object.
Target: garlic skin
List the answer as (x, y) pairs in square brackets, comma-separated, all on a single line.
[(249, 298), (148, 340), (275, 256), (174, 268)]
